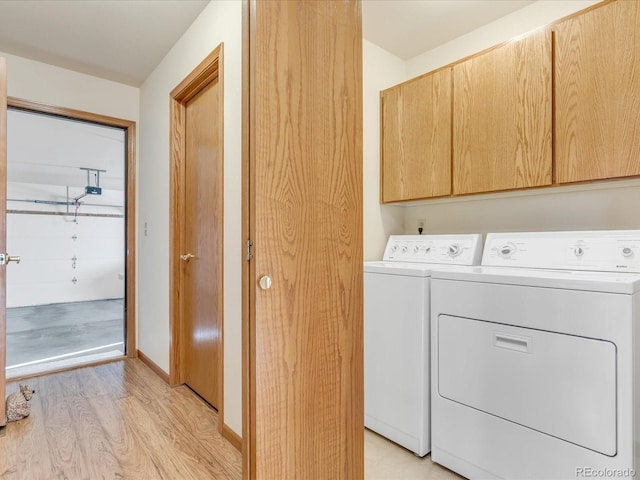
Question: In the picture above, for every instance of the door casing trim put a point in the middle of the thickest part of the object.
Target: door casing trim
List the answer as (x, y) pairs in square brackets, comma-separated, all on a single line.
[(129, 127)]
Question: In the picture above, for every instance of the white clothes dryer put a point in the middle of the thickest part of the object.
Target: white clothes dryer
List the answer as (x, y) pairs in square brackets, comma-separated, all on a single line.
[(535, 358), (396, 332)]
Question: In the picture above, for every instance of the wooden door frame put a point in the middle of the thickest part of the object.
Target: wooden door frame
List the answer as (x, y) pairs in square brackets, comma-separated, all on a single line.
[(248, 270), (209, 70), (129, 128), (3, 237)]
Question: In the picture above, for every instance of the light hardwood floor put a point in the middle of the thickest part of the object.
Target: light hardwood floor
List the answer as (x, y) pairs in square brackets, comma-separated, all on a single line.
[(115, 421)]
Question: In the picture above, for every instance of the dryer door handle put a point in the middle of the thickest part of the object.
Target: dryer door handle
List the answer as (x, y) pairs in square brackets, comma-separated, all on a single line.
[(511, 342)]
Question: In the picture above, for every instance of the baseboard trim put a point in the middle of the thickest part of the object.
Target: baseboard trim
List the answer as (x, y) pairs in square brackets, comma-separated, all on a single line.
[(233, 437), (153, 366)]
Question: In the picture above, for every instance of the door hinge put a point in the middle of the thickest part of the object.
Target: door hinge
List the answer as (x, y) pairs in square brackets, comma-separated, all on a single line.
[(249, 251)]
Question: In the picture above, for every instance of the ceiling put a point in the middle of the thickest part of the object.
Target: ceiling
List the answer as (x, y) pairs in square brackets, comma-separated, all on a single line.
[(124, 40), (408, 28), (120, 40)]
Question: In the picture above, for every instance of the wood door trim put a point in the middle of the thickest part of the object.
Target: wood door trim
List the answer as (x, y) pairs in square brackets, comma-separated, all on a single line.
[(207, 71), (129, 127), (248, 293), (3, 229), (248, 64)]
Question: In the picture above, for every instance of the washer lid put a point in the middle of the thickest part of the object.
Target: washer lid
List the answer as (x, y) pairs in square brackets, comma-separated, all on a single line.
[(400, 268), (609, 282)]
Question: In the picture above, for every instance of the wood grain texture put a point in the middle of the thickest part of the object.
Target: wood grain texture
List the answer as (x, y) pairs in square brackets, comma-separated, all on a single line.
[(204, 213), (202, 307), (117, 420), (597, 80), (307, 367), (131, 239), (502, 117), (176, 238), (3, 237), (248, 227), (415, 159), (129, 128)]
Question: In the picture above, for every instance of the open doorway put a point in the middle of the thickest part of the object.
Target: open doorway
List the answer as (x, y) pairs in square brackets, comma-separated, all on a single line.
[(67, 220)]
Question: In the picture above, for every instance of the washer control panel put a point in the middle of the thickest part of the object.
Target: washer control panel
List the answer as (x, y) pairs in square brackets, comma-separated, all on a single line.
[(605, 250), (462, 249)]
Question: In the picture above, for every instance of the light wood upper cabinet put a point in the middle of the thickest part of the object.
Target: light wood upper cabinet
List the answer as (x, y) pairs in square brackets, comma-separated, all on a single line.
[(502, 117), (597, 75), (416, 138)]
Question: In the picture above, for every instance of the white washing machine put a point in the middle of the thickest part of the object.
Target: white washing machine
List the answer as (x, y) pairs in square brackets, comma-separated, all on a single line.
[(536, 358), (396, 332)]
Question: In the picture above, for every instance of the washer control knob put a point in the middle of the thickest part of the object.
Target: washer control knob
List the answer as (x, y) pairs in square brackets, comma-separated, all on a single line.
[(405, 249), (394, 247), (507, 250), (416, 249), (627, 252), (578, 251), (454, 250)]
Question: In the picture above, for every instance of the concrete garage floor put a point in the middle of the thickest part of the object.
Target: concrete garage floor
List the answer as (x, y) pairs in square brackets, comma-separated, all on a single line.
[(48, 337)]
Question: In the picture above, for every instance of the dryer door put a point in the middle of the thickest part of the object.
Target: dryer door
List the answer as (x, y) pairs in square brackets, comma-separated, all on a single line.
[(561, 385)]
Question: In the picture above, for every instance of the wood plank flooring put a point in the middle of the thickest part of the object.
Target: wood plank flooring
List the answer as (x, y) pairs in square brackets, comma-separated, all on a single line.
[(115, 421)]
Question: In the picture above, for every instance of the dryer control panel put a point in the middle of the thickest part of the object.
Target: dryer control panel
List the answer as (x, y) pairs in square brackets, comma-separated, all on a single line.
[(602, 250), (462, 249)]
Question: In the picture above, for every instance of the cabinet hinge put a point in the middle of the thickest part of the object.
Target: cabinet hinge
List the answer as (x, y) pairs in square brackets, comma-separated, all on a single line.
[(249, 251)]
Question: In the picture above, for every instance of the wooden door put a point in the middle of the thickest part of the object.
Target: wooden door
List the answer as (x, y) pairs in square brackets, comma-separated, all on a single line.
[(304, 390), (415, 156), (3, 236), (597, 79), (202, 302), (502, 120)]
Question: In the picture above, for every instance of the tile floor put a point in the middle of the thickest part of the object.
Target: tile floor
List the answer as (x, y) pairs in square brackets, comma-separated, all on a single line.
[(45, 337), (384, 460)]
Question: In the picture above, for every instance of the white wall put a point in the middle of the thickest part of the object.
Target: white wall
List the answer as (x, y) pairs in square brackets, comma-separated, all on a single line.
[(604, 205), (538, 14), (39, 82), (610, 205), (221, 21), (380, 70)]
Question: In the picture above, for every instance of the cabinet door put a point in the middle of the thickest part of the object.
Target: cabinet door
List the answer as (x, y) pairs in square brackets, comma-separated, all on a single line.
[(416, 138), (502, 117), (597, 74)]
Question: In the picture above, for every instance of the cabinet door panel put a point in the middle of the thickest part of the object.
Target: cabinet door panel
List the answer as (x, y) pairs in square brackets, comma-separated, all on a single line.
[(416, 138), (597, 75), (502, 118)]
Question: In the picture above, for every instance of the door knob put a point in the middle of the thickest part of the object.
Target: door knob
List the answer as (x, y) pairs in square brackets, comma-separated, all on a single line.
[(265, 282), (187, 256), (5, 259)]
